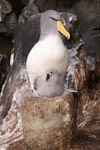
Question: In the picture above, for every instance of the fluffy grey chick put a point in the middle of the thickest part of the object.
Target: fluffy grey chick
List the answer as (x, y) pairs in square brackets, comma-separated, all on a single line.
[(49, 84)]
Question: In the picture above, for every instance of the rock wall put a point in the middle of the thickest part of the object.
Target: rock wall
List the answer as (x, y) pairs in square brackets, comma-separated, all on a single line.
[(4, 66)]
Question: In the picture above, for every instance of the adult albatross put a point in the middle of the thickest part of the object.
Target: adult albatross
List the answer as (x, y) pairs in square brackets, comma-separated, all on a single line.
[(38, 58), (49, 52)]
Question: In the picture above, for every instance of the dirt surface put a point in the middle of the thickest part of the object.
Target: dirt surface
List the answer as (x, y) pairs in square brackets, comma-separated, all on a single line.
[(83, 142)]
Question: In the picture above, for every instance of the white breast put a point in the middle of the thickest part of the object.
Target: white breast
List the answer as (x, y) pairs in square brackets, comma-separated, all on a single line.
[(49, 53)]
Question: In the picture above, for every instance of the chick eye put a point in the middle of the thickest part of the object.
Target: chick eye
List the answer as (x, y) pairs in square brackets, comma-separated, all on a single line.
[(47, 77)]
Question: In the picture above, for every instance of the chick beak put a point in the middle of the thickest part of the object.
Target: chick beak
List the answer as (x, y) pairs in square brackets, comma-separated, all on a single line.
[(62, 29)]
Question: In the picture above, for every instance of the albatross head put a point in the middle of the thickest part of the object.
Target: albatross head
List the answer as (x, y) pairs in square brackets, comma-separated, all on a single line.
[(52, 23)]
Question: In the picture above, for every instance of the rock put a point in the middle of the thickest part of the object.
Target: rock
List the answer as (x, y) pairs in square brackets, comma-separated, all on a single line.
[(19, 145), (3, 69), (11, 20), (77, 70), (97, 72), (48, 123), (88, 142), (51, 4), (90, 37), (28, 11), (8, 18), (11, 129), (5, 45), (5, 8), (88, 115)]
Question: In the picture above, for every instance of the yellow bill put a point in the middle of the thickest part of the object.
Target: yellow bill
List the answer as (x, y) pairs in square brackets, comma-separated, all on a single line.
[(12, 51), (62, 29)]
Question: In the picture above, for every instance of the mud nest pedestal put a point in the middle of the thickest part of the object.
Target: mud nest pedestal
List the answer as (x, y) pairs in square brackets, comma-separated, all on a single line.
[(48, 123)]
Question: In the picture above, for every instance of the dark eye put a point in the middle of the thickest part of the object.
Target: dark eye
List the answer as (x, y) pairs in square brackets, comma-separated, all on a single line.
[(47, 77), (54, 19)]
